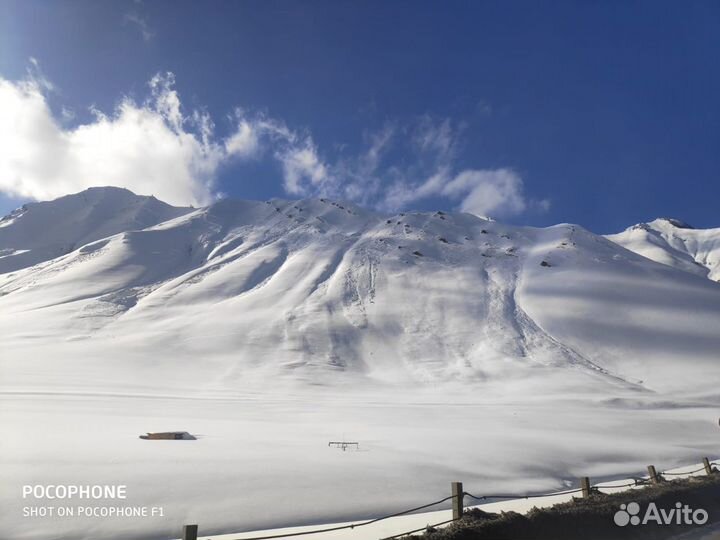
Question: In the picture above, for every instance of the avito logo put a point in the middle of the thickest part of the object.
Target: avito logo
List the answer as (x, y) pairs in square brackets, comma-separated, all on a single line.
[(681, 514)]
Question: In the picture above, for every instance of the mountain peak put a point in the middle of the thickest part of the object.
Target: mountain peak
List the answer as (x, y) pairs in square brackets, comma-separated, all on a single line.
[(675, 243), (675, 223), (108, 193), (40, 231)]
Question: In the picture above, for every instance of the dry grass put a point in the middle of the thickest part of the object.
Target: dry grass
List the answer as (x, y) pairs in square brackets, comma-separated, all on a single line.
[(590, 519)]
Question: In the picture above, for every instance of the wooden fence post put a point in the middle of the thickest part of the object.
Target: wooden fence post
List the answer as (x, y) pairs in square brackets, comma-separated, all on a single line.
[(457, 501), (708, 468), (190, 532), (585, 485), (652, 473)]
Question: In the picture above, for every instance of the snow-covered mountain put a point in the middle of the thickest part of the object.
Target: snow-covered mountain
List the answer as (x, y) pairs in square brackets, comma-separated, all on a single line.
[(450, 346), (675, 243), (42, 231), (321, 291)]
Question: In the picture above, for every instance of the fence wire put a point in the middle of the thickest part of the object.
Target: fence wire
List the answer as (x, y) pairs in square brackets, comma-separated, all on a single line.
[(682, 473), (352, 525), (595, 488)]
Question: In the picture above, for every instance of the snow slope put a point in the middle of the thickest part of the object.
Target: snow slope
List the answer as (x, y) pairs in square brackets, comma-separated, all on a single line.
[(38, 232), (672, 242), (450, 346), (316, 290)]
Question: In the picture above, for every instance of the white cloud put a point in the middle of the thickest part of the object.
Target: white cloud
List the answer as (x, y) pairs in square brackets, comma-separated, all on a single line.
[(488, 192), (245, 142), (428, 152), (402, 192), (167, 101), (498, 192), (483, 192), (303, 170), (157, 148), (149, 148)]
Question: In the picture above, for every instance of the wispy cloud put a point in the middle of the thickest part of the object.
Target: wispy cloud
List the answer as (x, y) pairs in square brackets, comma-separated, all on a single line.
[(140, 22), (430, 147), (157, 147)]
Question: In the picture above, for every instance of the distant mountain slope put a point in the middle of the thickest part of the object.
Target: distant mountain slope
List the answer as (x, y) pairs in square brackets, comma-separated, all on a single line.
[(41, 231), (672, 242), (316, 291)]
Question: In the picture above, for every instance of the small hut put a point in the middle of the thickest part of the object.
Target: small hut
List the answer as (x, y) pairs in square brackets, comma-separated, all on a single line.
[(169, 435)]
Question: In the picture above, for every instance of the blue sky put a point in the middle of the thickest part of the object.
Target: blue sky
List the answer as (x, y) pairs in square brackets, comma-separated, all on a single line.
[(598, 113)]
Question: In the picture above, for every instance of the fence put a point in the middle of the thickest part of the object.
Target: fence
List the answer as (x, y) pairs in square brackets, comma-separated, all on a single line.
[(190, 532)]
